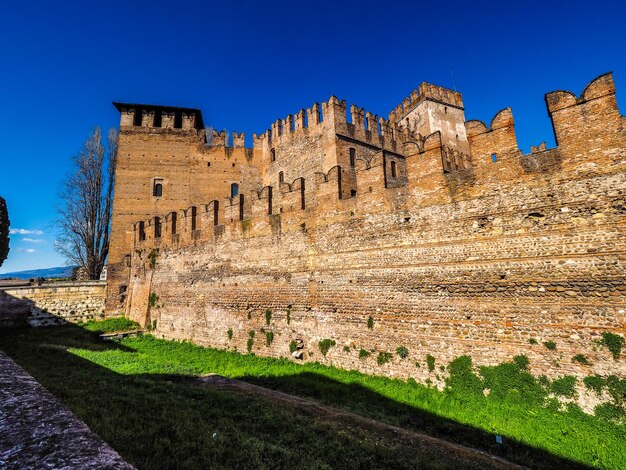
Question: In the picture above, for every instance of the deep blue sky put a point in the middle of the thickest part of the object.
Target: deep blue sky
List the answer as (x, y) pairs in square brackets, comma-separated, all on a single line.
[(246, 64)]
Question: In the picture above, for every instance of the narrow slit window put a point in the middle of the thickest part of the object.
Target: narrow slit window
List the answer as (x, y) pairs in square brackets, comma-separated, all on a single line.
[(157, 227), (352, 157), (174, 216), (281, 177), (273, 155), (157, 188), (142, 231), (394, 169), (193, 219)]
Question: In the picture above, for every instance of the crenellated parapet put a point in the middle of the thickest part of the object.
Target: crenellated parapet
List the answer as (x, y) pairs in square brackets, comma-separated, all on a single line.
[(153, 117), (426, 91), (488, 144)]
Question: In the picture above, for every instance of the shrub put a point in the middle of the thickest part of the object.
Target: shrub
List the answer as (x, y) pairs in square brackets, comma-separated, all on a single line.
[(370, 322), (616, 388), (581, 358), (292, 347), (521, 361), (346, 348), (251, 333), (614, 343), (402, 351), (325, 345), (430, 362), (533, 341), (152, 256), (268, 316), (153, 299), (595, 383), (230, 333), (462, 378), (249, 345), (383, 358), (363, 353), (417, 364), (269, 337), (288, 316), (551, 345), (564, 386), (610, 412)]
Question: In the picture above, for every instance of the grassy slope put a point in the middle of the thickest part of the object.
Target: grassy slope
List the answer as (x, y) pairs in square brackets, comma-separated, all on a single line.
[(464, 417)]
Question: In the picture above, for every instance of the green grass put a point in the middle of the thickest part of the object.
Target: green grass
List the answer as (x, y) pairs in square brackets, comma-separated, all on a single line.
[(110, 325), (127, 391)]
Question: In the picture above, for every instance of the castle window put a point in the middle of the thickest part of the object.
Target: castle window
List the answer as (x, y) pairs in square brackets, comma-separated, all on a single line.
[(216, 209), (273, 155), (157, 188), (445, 109), (157, 227), (353, 192), (157, 118), (138, 117), (394, 170), (352, 156), (142, 231), (193, 218), (281, 177), (174, 216), (234, 189), (178, 120), (494, 158), (241, 207)]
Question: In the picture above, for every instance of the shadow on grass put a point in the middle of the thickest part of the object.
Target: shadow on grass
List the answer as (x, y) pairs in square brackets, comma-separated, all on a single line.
[(155, 422)]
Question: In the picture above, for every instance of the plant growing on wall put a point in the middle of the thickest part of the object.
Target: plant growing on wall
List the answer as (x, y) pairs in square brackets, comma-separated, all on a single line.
[(152, 257), (230, 333), (532, 341), (153, 299), (521, 361), (430, 362), (292, 346), (249, 345), (614, 343), (325, 345), (268, 316), (269, 337), (383, 358), (581, 359), (363, 353), (288, 316), (402, 351), (370, 322), (564, 386), (551, 345)]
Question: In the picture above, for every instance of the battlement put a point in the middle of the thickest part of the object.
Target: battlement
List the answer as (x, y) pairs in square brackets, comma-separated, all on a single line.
[(426, 91), (158, 117)]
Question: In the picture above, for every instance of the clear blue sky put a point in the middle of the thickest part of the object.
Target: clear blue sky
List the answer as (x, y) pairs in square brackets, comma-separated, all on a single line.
[(246, 64)]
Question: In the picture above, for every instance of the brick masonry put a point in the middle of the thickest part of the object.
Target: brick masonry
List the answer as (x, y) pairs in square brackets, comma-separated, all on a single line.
[(452, 251)]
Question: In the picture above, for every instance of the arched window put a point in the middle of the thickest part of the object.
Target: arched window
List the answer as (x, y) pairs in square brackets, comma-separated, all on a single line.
[(157, 188), (394, 170), (234, 189), (281, 177), (352, 156), (142, 231), (273, 155), (157, 227)]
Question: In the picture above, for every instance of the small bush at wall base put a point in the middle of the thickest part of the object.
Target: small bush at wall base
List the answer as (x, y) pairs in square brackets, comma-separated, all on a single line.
[(564, 386), (230, 333), (430, 362), (610, 412), (370, 322), (613, 343), (521, 361), (383, 358), (292, 347), (268, 316), (249, 345), (325, 345), (551, 345), (363, 353), (581, 358), (402, 351)]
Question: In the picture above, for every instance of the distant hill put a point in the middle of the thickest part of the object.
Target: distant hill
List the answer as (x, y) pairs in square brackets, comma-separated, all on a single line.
[(49, 273)]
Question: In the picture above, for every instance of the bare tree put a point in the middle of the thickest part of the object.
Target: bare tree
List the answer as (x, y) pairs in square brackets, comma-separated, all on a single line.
[(84, 213), (4, 230)]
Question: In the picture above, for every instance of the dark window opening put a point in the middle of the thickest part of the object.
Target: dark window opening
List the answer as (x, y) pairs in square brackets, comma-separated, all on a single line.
[(273, 155), (174, 217), (234, 190), (157, 227), (208, 163), (233, 165), (445, 109), (178, 120), (281, 177), (193, 218), (494, 158), (394, 170), (142, 231), (339, 182), (302, 194), (122, 289), (127, 261), (353, 192), (157, 189), (157, 118), (241, 207), (352, 156), (138, 117), (216, 208)]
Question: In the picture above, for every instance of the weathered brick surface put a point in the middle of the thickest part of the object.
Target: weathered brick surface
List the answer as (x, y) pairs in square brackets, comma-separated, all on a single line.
[(451, 257)]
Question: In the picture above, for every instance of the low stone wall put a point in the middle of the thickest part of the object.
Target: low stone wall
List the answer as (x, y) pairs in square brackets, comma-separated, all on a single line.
[(50, 303), (37, 431)]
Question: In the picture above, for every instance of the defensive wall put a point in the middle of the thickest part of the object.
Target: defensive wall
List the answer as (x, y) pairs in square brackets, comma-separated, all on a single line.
[(448, 253), (52, 303)]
